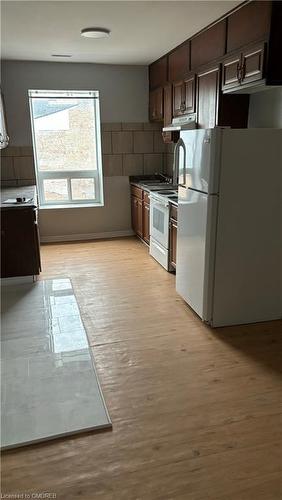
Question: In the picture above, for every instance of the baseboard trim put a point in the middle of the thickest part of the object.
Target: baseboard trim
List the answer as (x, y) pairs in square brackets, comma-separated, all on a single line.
[(87, 236)]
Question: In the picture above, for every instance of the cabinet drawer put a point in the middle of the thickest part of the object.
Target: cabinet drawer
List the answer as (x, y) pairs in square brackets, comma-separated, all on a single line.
[(146, 197), (173, 212), (136, 191)]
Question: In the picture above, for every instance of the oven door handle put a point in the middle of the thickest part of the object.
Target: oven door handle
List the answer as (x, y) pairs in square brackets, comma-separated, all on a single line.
[(159, 204)]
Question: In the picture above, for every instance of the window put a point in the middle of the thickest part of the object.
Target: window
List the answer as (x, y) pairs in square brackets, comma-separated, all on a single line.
[(67, 147)]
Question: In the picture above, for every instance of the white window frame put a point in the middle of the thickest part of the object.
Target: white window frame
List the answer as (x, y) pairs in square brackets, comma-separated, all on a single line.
[(96, 174)]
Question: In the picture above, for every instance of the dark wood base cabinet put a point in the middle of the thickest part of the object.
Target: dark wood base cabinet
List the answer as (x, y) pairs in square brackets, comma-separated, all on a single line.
[(136, 215), (146, 218), (20, 248), (140, 213)]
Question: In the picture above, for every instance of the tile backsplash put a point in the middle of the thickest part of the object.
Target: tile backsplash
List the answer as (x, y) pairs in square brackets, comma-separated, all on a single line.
[(17, 166), (127, 148)]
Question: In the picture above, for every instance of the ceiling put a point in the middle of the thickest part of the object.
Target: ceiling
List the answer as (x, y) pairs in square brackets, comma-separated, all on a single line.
[(141, 31)]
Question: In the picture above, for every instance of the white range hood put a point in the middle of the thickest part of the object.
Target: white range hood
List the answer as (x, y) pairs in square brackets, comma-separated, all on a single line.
[(187, 122)]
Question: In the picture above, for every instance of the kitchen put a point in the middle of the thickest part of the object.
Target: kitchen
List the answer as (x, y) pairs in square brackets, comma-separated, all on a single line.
[(222, 76)]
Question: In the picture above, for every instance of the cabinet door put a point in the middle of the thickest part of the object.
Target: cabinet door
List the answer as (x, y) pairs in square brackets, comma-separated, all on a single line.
[(20, 255), (156, 105), (167, 136), (207, 98), (179, 63), (178, 99), (173, 243), (231, 72), (158, 73), (189, 94), (253, 64), (136, 215), (37, 248), (146, 222), (208, 45), (248, 24)]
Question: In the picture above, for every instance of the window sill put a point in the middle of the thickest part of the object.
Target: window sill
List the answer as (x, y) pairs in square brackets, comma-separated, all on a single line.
[(73, 205)]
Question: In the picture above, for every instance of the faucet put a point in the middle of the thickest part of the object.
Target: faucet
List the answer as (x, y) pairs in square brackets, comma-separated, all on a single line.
[(166, 178)]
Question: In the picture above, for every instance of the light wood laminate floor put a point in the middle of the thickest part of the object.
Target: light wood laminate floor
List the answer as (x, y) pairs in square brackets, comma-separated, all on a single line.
[(196, 412)]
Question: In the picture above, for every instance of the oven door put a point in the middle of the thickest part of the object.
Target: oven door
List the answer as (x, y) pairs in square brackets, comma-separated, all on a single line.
[(159, 222)]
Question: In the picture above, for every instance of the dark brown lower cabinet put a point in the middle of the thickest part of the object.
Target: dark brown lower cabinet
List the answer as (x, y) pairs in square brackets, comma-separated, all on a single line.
[(146, 222), (172, 237), (20, 247), (140, 213), (137, 215)]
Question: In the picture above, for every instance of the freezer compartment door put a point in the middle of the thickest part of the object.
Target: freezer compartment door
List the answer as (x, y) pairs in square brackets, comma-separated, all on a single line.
[(195, 250), (202, 159)]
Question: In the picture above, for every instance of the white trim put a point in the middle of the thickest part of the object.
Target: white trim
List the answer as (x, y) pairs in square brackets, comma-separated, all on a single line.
[(87, 236), (95, 173), (73, 205)]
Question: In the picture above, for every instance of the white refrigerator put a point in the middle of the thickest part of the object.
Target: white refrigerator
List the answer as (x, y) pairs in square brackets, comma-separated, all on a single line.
[(229, 239)]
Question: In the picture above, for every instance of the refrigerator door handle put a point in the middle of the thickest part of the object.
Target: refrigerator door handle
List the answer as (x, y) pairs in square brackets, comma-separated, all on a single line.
[(176, 169), (181, 144)]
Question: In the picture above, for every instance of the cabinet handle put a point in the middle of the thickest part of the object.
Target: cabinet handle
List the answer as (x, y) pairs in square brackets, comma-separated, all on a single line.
[(238, 72), (243, 71)]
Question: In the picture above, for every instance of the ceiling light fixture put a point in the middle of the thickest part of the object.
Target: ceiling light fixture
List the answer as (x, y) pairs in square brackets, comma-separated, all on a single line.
[(95, 32)]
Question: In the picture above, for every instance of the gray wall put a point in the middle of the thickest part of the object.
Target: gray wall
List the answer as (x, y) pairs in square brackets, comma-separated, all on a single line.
[(123, 90), (123, 98), (265, 109)]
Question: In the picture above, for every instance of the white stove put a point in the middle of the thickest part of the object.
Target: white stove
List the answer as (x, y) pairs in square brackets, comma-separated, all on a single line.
[(159, 224)]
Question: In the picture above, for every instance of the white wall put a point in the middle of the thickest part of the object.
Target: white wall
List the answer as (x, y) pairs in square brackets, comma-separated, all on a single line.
[(123, 91), (265, 110)]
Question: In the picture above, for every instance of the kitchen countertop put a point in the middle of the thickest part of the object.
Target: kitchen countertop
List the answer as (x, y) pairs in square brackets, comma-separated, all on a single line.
[(173, 202), (141, 183), (16, 192)]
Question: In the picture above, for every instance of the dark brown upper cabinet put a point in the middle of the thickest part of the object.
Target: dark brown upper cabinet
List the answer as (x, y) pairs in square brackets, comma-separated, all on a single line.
[(167, 136), (209, 45), (179, 63), (248, 24), (245, 46), (158, 73), (215, 108), (156, 108), (244, 68), (184, 96), (208, 97)]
